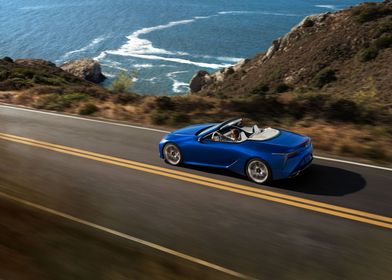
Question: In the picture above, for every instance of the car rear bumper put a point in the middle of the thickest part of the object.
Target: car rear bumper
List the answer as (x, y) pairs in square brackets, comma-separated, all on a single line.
[(291, 167), (304, 164)]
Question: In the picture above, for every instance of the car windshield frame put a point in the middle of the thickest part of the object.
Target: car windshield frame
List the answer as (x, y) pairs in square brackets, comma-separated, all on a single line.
[(219, 126)]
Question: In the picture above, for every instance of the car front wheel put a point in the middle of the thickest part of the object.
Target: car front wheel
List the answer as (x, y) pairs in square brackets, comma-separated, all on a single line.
[(258, 171), (172, 154)]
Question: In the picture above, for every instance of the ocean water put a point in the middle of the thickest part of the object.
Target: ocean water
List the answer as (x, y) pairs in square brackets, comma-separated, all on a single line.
[(164, 41)]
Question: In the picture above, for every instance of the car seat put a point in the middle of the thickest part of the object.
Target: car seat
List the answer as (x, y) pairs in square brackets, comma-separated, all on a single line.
[(256, 129), (243, 136)]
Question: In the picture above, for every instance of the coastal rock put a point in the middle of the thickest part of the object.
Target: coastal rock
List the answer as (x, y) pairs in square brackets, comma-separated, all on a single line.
[(199, 80), (34, 62), (7, 59), (203, 78), (87, 69)]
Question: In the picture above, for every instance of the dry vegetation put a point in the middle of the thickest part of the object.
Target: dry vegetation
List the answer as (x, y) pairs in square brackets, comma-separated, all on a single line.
[(331, 82)]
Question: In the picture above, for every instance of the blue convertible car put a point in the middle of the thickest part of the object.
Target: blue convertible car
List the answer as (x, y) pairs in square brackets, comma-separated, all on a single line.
[(262, 154)]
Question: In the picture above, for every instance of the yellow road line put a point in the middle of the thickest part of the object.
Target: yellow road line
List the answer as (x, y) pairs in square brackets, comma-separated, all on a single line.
[(224, 183), (236, 188), (126, 236)]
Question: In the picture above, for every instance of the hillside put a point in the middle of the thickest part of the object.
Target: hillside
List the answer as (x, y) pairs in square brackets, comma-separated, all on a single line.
[(341, 53), (328, 78)]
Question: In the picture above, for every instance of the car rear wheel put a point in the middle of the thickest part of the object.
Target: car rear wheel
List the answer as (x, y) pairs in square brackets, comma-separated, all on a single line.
[(172, 154), (258, 171)]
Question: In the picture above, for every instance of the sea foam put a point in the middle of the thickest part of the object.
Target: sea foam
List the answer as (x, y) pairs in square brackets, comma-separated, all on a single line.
[(178, 86), (331, 7), (91, 45), (143, 48)]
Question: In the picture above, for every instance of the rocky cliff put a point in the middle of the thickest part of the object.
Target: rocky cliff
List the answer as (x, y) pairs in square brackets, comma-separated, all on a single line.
[(344, 52)]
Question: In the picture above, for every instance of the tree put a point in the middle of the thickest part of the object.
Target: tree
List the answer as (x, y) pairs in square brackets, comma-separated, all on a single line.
[(123, 82)]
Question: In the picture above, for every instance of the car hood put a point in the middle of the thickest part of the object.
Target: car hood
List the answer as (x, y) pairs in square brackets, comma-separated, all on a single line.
[(288, 139), (192, 129)]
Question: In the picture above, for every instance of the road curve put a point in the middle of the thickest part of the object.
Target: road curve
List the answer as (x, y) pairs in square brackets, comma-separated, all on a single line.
[(243, 233)]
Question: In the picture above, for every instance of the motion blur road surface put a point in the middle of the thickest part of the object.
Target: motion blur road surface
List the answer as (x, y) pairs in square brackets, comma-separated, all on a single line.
[(305, 228)]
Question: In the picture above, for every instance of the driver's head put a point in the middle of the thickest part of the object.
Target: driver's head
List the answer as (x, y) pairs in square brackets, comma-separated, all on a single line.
[(235, 133)]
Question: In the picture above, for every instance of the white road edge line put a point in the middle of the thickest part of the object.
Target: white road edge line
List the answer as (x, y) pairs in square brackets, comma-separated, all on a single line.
[(126, 236), (166, 131), (353, 163)]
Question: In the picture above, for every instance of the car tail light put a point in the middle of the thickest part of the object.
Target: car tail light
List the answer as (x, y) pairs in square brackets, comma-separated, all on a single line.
[(292, 154)]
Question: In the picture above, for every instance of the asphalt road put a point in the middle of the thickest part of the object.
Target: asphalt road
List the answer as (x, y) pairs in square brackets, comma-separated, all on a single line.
[(255, 236)]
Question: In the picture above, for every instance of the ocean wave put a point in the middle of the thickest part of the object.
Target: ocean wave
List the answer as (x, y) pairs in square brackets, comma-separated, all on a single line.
[(108, 75), (151, 80), (258, 12), (113, 64), (91, 45), (172, 59), (137, 45), (178, 86), (139, 66), (45, 7), (221, 58), (331, 7), (142, 48)]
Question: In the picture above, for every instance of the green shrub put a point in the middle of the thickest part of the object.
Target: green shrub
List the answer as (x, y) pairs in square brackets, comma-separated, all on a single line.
[(125, 98), (158, 117), (385, 26), (367, 54), (188, 104), (52, 81), (72, 97), (325, 76), (123, 82), (343, 110), (346, 149), (282, 88), (275, 74), (4, 75), (8, 59), (375, 152), (261, 89), (25, 73), (164, 103), (59, 102), (88, 109), (51, 102), (180, 118), (370, 11), (19, 83), (385, 41), (311, 102)]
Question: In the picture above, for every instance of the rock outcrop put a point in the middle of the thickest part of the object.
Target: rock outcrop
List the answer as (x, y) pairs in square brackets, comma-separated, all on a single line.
[(87, 69), (199, 80), (203, 78)]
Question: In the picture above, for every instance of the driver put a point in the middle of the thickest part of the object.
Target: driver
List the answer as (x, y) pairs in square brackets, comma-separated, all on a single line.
[(233, 136)]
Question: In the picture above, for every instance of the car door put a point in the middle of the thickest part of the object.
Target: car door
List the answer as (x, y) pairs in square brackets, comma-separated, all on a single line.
[(213, 153)]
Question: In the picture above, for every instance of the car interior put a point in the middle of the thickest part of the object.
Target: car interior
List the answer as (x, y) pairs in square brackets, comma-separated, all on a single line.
[(225, 134)]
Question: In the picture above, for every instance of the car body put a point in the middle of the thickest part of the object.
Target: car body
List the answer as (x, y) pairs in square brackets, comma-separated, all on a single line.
[(280, 153)]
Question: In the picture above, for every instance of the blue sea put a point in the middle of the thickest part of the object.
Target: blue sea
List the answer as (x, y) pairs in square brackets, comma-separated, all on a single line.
[(164, 41)]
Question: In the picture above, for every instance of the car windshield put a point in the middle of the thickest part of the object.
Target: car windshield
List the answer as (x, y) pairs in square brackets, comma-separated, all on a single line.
[(208, 129), (217, 126)]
